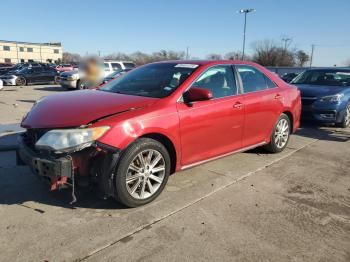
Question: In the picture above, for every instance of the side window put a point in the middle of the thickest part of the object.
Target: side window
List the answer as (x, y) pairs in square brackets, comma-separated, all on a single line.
[(107, 67), (116, 66), (219, 80), (252, 79), (269, 83)]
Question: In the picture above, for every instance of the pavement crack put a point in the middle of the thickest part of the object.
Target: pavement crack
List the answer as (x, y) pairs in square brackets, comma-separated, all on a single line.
[(217, 173)]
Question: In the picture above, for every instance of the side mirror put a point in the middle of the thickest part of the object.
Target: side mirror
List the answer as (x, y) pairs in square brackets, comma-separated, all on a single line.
[(195, 94)]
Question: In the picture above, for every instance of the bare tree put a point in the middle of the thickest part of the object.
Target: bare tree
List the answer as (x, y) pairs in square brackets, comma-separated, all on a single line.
[(301, 58), (237, 55), (214, 56), (268, 53), (70, 57), (141, 58)]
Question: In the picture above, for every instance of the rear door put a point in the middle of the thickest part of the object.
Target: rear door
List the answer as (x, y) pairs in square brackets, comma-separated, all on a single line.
[(48, 75), (214, 127), (40, 74), (263, 103), (32, 75)]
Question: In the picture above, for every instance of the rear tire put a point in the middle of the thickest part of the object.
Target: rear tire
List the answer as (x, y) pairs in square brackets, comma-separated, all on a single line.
[(21, 81), (142, 172), (56, 80), (346, 120), (280, 135)]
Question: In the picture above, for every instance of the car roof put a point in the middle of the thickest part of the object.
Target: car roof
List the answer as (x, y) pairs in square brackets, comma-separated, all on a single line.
[(330, 69), (209, 62)]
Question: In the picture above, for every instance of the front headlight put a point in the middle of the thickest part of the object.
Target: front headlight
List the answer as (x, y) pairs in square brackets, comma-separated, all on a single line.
[(63, 140), (70, 78), (332, 99)]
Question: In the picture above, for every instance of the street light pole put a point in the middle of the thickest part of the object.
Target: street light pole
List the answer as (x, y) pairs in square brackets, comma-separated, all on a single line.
[(312, 54), (245, 11)]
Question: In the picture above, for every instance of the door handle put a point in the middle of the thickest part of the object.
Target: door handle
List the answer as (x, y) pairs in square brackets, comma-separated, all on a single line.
[(278, 97), (238, 105)]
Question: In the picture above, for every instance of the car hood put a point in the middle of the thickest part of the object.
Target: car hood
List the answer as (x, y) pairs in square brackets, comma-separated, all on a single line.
[(72, 109), (319, 91)]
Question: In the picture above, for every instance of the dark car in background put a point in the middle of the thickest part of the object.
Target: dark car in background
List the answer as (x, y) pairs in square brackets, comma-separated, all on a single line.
[(288, 77), (30, 75), (325, 95)]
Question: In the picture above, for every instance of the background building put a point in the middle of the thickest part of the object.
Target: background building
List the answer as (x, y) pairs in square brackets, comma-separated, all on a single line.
[(19, 52)]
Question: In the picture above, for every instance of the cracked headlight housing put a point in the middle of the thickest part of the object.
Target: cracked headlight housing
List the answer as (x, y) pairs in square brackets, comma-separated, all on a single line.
[(332, 99), (65, 140)]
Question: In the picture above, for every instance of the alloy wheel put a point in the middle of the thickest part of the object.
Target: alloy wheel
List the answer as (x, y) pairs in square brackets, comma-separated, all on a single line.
[(20, 81), (281, 133), (347, 116), (145, 174)]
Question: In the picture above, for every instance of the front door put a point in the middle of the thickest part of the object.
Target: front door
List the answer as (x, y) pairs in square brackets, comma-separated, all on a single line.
[(214, 127)]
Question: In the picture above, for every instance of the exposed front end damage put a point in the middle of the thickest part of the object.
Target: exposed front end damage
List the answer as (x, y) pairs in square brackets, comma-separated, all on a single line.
[(85, 166)]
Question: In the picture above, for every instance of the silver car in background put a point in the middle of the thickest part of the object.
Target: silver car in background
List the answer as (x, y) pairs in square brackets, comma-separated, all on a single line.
[(71, 79)]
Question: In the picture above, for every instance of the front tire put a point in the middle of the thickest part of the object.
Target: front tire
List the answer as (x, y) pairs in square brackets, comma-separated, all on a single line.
[(346, 120), (79, 86), (280, 135), (142, 172)]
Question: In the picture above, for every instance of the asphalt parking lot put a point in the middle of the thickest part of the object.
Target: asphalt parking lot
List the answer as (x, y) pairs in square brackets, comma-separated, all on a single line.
[(252, 206)]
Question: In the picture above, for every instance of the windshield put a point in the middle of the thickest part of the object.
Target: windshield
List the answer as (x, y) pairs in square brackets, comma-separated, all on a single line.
[(324, 78), (153, 80)]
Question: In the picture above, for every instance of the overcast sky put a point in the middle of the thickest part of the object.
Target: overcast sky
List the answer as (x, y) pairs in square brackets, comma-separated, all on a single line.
[(206, 26)]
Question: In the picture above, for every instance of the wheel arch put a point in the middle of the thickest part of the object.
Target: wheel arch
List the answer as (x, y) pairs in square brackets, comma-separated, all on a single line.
[(169, 145), (291, 119)]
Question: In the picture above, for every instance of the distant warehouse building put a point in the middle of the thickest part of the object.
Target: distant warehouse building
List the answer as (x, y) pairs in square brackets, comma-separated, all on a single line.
[(20, 52)]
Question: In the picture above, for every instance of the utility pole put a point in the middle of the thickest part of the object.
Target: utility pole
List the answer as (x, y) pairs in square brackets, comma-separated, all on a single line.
[(312, 54), (187, 53), (245, 12), (285, 40)]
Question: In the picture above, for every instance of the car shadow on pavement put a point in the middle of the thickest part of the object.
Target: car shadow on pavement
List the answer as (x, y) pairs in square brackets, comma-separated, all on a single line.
[(53, 88), (321, 132), (20, 187)]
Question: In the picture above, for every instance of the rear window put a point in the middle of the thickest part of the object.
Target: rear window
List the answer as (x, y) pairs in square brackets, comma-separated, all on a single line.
[(129, 65)]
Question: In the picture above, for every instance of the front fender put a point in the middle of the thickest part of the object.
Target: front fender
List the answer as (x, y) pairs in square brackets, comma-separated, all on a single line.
[(128, 130)]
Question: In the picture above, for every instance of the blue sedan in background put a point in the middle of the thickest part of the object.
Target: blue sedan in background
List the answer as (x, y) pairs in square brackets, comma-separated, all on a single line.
[(325, 95)]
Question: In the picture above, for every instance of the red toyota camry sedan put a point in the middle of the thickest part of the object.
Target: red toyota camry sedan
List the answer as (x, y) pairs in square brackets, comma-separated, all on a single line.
[(128, 136)]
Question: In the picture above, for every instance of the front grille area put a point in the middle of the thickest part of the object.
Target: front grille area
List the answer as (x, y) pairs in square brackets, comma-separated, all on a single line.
[(307, 101), (31, 136)]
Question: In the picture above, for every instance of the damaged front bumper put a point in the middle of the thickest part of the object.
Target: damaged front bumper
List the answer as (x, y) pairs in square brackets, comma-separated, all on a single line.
[(57, 170), (90, 166)]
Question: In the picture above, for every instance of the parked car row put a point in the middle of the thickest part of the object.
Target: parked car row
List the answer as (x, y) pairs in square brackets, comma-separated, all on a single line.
[(67, 75), (24, 75)]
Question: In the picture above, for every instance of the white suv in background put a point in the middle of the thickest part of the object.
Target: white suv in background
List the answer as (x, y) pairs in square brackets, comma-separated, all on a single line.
[(111, 66), (71, 79)]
